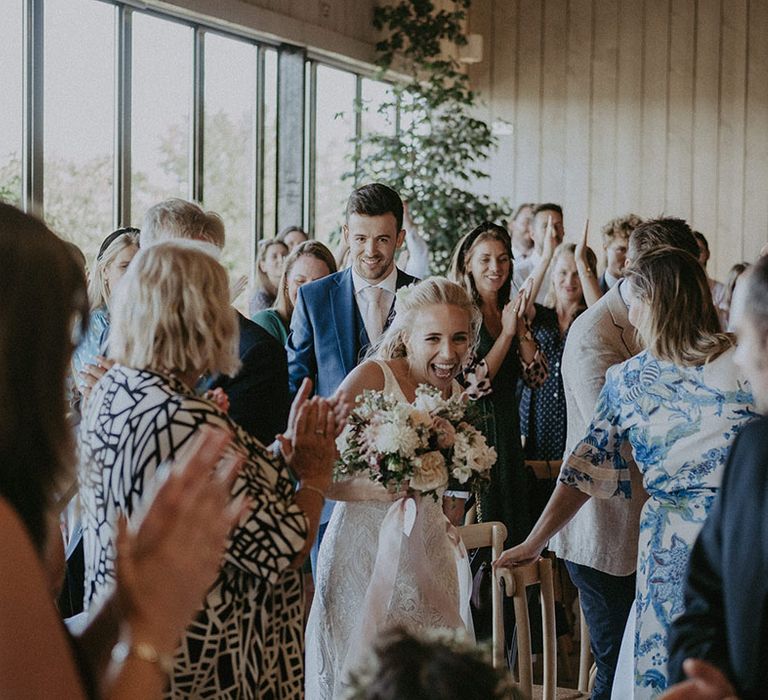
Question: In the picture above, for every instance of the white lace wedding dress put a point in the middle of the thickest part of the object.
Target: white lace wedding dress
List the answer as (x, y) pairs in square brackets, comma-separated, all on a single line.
[(341, 612)]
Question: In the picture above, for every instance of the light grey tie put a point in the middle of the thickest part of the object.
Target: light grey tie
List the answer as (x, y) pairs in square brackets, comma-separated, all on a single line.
[(373, 318)]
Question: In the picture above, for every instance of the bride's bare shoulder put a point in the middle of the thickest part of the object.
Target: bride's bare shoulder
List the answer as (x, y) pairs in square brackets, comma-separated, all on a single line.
[(367, 375)]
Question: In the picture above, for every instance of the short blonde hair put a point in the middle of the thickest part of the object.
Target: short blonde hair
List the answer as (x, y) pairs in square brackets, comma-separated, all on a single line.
[(433, 291), (679, 323), (620, 227), (98, 294), (177, 218), (172, 313)]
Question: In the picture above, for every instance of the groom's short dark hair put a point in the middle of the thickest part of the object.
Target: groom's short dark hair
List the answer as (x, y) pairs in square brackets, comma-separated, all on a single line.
[(375, 200)]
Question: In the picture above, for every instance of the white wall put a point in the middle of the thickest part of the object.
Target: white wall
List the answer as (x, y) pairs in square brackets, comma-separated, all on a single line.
[(651, 106)]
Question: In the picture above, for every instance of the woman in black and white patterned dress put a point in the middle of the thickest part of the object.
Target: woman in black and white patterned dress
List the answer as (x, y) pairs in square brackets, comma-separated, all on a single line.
[(172, 322)]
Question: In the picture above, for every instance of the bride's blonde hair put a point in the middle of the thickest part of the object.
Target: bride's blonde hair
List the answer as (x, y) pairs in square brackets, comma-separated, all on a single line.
[(433, 291)]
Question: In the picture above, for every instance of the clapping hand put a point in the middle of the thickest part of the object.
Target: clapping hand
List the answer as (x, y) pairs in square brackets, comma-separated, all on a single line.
[(580, 254), (550, 240), (92, 373), (170, 555), (513, 314), (313, 445)]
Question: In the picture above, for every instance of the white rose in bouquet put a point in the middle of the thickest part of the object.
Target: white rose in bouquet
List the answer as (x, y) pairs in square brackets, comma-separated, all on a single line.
[(429, 472), (392, 438)]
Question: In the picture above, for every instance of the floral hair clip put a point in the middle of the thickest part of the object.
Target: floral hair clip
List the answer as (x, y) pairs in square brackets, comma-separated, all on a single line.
[(402, 294)]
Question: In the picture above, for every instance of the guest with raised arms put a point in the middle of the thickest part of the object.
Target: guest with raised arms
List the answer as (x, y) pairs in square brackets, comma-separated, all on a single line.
[(543, 416), (676, 408), (482, 265), (173, 322), (359, 589), (338, 317)]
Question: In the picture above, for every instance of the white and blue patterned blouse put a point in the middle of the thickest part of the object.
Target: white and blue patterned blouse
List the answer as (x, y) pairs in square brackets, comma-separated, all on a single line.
[(679, 423)]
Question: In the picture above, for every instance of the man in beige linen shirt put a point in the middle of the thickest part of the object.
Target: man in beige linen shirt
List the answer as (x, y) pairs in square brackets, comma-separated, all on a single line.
[(600, 544)]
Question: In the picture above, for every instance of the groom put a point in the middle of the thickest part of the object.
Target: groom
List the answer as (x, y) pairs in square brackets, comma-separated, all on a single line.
[(338, 317)]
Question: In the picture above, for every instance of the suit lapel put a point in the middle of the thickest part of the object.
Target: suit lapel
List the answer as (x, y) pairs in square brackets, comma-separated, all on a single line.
[(346, 321)]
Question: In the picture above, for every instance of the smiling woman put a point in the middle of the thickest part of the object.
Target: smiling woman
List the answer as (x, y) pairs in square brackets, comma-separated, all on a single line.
[(433, 332)]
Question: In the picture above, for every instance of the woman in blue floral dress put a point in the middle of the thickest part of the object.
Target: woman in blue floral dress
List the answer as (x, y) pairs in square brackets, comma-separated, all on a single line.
[(677, 406)]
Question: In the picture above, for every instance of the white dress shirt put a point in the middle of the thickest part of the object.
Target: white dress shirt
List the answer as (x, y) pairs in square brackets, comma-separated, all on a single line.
[(388, 286)]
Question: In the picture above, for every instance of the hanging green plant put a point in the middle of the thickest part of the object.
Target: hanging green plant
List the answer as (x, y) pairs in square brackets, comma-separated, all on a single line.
[(435, 156)]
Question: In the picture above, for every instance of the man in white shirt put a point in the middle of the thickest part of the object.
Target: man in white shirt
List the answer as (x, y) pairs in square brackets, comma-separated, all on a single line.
[(521, 232), (524, 268)]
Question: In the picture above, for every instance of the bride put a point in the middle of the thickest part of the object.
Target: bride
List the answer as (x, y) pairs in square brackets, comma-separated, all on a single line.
[(434, 330)]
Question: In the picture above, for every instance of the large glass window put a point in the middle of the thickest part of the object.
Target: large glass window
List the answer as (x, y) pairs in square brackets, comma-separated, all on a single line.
[(161, 112), (79, 133), (270, 144), (335, 128), (11, 34), (229, 134)]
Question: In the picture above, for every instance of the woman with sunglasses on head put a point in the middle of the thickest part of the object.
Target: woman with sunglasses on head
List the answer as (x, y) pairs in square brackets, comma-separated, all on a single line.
[(115, 254)]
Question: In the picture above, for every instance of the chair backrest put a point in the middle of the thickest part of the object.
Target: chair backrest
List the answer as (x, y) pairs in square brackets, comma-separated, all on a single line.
[(491, 535), (516, 581)]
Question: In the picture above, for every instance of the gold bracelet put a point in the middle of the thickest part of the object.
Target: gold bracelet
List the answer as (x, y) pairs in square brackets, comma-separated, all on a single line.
[(309, 487), (143, 651)]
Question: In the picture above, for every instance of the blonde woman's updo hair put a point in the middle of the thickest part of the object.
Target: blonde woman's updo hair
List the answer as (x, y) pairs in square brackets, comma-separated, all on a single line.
[(433, 291), (98, 293), (172, 312), (679, 323)]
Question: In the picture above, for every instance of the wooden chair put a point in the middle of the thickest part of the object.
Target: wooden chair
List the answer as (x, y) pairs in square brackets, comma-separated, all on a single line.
[(491, 535), (516, 580), (587, 669)]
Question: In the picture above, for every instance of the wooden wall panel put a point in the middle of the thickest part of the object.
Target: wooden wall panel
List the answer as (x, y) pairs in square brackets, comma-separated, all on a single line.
[(655, 62), (602, 189), (705, 119), (756, 178), (730, 190), (528, 113), (679, 163), (651, 106), (553, 75), (577, 119), (627, 158)]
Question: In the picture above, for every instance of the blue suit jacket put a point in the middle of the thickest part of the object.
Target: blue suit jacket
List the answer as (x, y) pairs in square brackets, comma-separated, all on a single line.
[(726, 593), (328, 335)]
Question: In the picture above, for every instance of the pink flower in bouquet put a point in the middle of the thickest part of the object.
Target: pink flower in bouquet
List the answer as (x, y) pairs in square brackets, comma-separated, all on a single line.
[(430, 472), (218, 397), (446, 433)]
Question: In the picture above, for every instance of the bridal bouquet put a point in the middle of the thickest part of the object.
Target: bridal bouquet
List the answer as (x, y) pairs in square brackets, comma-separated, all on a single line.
[(423, 445)]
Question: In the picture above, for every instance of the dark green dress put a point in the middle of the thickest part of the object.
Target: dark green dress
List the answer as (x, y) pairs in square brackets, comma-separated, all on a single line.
[(507, 497)]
